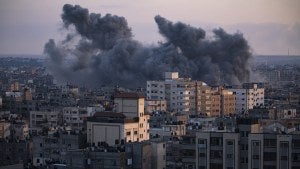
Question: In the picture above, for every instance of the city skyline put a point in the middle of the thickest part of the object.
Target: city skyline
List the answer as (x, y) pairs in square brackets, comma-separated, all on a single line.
[(271, 27)]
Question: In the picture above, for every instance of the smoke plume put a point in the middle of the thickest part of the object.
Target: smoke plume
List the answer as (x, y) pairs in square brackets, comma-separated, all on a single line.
[(100, 50)]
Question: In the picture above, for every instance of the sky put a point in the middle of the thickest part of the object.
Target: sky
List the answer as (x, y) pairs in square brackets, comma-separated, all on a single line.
[(272, 27)]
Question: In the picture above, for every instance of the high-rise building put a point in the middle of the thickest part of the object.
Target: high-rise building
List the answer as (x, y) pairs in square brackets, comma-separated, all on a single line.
[(191, 96), (248, 96), (216, 150), (274, 151), (181, 94)]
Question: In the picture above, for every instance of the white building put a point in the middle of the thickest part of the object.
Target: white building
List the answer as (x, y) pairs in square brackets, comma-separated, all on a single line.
[(248, 96), (127, 124), (180, 93)]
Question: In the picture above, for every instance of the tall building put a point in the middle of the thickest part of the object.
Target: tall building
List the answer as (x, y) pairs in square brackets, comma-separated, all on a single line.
[(216, 150), (132, 105), (248, 96), (274, 151), (191, 96), (128, 124), (228, 100), (181, 94)]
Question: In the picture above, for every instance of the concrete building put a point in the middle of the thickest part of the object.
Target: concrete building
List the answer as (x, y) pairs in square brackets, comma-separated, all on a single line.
[(181, 94), (228, 101), (112, 128), (191, 96), (52, 148), (248, 96), (273, 151), (181, 153), (158, 154), (40, 119), (74, 117), (155, 105), (128, 124), (139, 155), (13, 151), (4, 129), (20, 130), (217, 150), (96, 157), (132, 106), (169, 130)]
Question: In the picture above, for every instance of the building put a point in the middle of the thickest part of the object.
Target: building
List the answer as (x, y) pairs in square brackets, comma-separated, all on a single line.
[(158, 154), (217, 150), (46, 119), (248, 96), (169, 130), (52, 148), (155, 105), (228, 101), (191, 96), (181, 94), (4, 129), (13, 151), (96, 157), (74, 117), (132, 105), (112, 128), (274, 151), (139, 155), (20, 130), (181, 153)]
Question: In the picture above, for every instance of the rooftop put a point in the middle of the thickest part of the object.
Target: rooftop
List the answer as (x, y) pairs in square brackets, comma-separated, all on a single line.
[(129, 95)]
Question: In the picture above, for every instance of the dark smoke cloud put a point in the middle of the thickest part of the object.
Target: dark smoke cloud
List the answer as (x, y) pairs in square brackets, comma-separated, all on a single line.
[(106, 53)]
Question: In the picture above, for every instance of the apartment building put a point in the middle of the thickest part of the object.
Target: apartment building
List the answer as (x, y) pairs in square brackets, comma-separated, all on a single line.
[(74, 117), (112, 128), (4, 129), (248, 96), (53, 148), (132, 105), (128, 124), (169, 130), (191, 96), (155, 105), (40, 119), (181, 94), (274, 151), (216, 150)]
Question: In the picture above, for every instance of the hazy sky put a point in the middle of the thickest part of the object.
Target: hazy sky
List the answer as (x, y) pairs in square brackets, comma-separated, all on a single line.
[(270, 26)]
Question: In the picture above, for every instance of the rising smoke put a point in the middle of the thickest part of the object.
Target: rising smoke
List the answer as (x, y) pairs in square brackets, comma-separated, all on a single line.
[(104, 52)]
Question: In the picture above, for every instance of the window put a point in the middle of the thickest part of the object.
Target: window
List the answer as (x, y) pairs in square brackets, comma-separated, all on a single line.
[(269, 156), (201, 154), (128, 133), (229, 155), (216, 141), (269, 142), (230, 142)]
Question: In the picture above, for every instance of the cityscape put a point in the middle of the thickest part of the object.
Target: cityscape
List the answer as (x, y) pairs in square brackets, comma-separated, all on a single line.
[(99, 98)]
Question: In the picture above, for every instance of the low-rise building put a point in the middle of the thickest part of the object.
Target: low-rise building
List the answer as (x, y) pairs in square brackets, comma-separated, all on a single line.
[(4, 129), (40, 119)]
